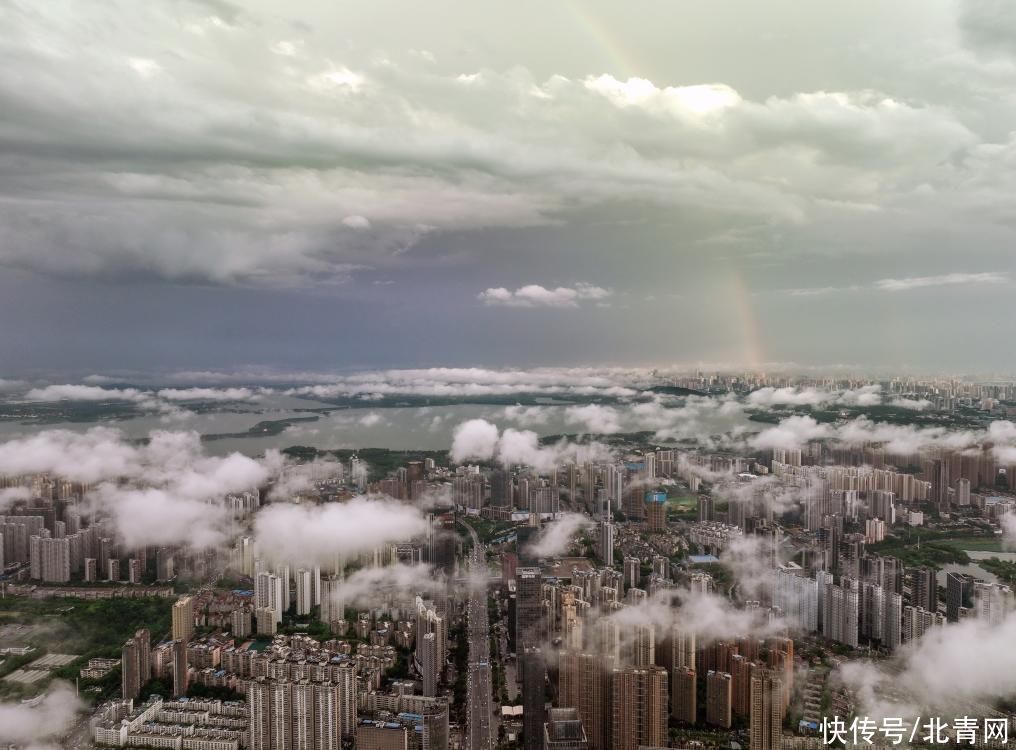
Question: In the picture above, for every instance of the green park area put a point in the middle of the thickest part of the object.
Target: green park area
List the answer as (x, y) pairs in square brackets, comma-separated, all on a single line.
[(60, 628), (682, 507), (935, 548)]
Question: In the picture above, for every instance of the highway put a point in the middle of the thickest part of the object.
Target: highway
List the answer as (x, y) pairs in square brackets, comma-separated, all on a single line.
[(479, 711)]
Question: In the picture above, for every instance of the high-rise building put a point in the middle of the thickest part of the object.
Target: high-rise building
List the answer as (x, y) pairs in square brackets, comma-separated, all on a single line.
[(797, 597), (269, 594), (534, 677), (584, 684), (135, 664), (684, 698), (639, 700), (303, 714), (719, 699), (564, 730), (431, 654), (605, 550), (643, 644), (304, 591), (840, 614), (741, 669), (923, 589), (528, 608), (917, 621), (429, 667), (183, 619), (501, 488), (766, 721), (959, 591), (240, 623), (50, 559), (632, 572), (656, 511), (165, 564), (181, 675), (993, 602)]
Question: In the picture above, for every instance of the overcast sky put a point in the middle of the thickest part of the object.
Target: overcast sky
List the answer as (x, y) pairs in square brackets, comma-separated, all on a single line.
[(202, 183)]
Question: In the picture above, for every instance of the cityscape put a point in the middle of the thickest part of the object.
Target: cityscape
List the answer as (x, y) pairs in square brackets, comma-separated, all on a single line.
[(843, 550), (562, 375)]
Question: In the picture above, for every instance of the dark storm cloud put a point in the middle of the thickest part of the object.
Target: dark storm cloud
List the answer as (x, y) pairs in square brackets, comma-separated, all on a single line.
[(325, 164)]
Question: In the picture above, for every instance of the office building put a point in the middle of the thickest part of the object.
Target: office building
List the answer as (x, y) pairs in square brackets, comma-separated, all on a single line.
[(533, 668), (529, 616), (959, 593)]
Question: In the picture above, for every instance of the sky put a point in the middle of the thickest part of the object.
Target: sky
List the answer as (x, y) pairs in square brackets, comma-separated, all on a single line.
[(321, 184)]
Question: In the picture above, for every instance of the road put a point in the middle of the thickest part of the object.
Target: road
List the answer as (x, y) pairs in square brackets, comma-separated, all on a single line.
[(479, 711)]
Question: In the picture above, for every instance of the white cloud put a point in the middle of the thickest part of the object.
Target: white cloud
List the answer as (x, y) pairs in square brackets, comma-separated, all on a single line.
[(950, 669), (475, 439), (356, 222), (555, 536), (164, 492), (594, 418), (790, 433), (475, 381), (949, 279), (868, 395), (69, 392), (306, 534), (527, 416), (534, 295), (35, 725), (367, 586), (480, 440), (10, 495), (371, 419), (209, 394)]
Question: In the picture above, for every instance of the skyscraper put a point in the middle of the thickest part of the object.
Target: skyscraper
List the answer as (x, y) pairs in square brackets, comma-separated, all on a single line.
[(304, 591), (719, 699), (606, 545), (924, 589), (429, 668), (639, 699), (684, 699), (269, 594), (584, 684), (135, 664), (183, 619), (528, 608), (180, 668), (534, 677), (766, 722), (302, 714), (959, 590), (643, 645)]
